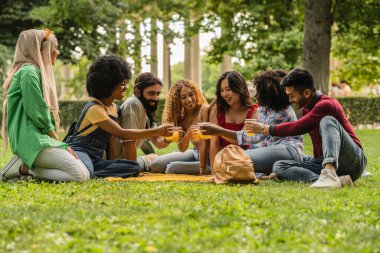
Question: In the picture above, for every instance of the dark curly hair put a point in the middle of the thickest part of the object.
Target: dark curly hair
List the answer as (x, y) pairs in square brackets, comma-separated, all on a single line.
[(269, 91), (106, 73), (238, 85)]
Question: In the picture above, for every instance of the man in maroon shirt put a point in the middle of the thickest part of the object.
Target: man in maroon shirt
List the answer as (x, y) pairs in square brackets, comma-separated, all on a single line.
[(337, 149)]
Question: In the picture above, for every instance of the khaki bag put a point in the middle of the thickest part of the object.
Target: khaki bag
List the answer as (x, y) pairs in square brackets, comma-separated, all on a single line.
[(233, 165)]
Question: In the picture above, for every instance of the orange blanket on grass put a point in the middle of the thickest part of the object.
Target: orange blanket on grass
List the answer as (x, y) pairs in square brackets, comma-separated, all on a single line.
[(155, 177)]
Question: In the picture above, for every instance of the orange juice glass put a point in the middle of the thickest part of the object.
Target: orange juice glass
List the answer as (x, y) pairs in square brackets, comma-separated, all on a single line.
[(249, 133)]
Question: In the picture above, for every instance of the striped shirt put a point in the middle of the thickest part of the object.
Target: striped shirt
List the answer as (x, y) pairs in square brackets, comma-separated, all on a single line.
[(269, 116)]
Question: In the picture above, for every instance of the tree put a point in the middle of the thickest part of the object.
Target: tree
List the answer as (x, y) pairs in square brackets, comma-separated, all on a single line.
[(355, 17), (263, 34), (356, 43), (87, 27), (317, 41)]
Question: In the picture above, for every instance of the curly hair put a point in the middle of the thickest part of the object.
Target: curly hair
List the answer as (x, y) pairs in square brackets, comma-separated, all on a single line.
[(269, 91), (106, 73), (238, 85), (173, 111)]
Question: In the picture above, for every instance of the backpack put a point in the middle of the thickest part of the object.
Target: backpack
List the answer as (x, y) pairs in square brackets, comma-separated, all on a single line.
[(73, 127), (233, 165)]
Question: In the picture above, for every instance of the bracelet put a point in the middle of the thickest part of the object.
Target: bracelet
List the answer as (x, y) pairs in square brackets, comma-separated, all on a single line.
[(262, 128)]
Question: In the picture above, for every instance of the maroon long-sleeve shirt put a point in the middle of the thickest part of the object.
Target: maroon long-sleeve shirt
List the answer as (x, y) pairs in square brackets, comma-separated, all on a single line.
[(320, 107)]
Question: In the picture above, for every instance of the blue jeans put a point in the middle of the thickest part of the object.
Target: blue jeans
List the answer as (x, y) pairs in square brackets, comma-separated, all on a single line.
[(264, 158), (338, 149), (109, 168)]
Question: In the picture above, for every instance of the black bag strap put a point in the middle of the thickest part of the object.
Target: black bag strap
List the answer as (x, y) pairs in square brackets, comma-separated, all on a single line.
[(83, 114)]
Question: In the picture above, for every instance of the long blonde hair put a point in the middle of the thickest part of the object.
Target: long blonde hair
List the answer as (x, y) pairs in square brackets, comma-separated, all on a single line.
[(173, 111)]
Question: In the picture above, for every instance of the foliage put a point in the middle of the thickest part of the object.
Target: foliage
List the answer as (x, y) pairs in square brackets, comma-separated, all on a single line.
[(78, 82), (100, 216), (210, 75), (357, 30), (87, 27), (361, 110), (5, 63), (14, 18), (358, 64), (253, 30)]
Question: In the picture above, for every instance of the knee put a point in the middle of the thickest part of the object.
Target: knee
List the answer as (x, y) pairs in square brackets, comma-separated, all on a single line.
[(158, 166), (82, 174), (80, 170), (170, 169), (279, 167), (327, 121)]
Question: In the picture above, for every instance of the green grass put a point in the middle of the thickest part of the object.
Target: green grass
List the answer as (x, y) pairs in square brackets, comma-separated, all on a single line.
[(99, 216)]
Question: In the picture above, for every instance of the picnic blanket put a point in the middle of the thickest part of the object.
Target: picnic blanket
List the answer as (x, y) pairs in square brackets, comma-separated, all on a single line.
[(155, 177)]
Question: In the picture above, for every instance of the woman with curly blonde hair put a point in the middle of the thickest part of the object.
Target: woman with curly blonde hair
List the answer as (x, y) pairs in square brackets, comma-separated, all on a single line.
[(185, 106)]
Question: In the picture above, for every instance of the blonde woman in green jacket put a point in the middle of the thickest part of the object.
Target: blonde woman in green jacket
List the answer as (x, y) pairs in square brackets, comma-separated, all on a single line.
[(31, 117)]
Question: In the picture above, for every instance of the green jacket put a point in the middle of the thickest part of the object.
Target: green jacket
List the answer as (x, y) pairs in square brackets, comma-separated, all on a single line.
[(28, 117)]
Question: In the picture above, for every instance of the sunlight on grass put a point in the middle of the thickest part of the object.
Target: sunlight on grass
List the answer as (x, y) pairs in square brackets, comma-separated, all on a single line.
[(99, 216)]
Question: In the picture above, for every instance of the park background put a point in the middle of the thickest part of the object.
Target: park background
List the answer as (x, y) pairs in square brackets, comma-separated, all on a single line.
[(334, 39)]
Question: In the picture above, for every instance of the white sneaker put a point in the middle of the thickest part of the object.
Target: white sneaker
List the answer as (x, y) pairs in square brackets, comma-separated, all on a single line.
[(11, 169), (366, 173), (327, 179)]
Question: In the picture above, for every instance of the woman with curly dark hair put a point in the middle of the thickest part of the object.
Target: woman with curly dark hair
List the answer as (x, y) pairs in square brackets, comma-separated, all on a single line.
[(107, 80), (185, 107)]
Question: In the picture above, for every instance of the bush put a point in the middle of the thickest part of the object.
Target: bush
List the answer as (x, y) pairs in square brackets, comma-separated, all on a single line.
[(360, 110)]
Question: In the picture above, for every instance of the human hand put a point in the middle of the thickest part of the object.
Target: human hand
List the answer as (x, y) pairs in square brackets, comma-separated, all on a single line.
[(72, 152), (252, 126), (166, 129), (208, 128), (53, 135)]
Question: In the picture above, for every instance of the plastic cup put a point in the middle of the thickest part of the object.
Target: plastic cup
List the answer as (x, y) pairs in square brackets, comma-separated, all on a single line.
[(175, 135), (204, 136), (195, 137), (249, 133)]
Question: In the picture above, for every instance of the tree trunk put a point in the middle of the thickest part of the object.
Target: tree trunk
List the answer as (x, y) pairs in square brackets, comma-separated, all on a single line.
[(317, 42), (137, 43), (196, 60), (166, 60), (153, 47), (226, 64)]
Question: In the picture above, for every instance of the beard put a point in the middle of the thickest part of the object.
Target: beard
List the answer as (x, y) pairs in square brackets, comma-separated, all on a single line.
[(302, 103), (146, 102)]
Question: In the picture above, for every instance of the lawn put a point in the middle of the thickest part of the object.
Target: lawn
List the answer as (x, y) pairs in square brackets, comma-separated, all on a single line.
[(99, 216)]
